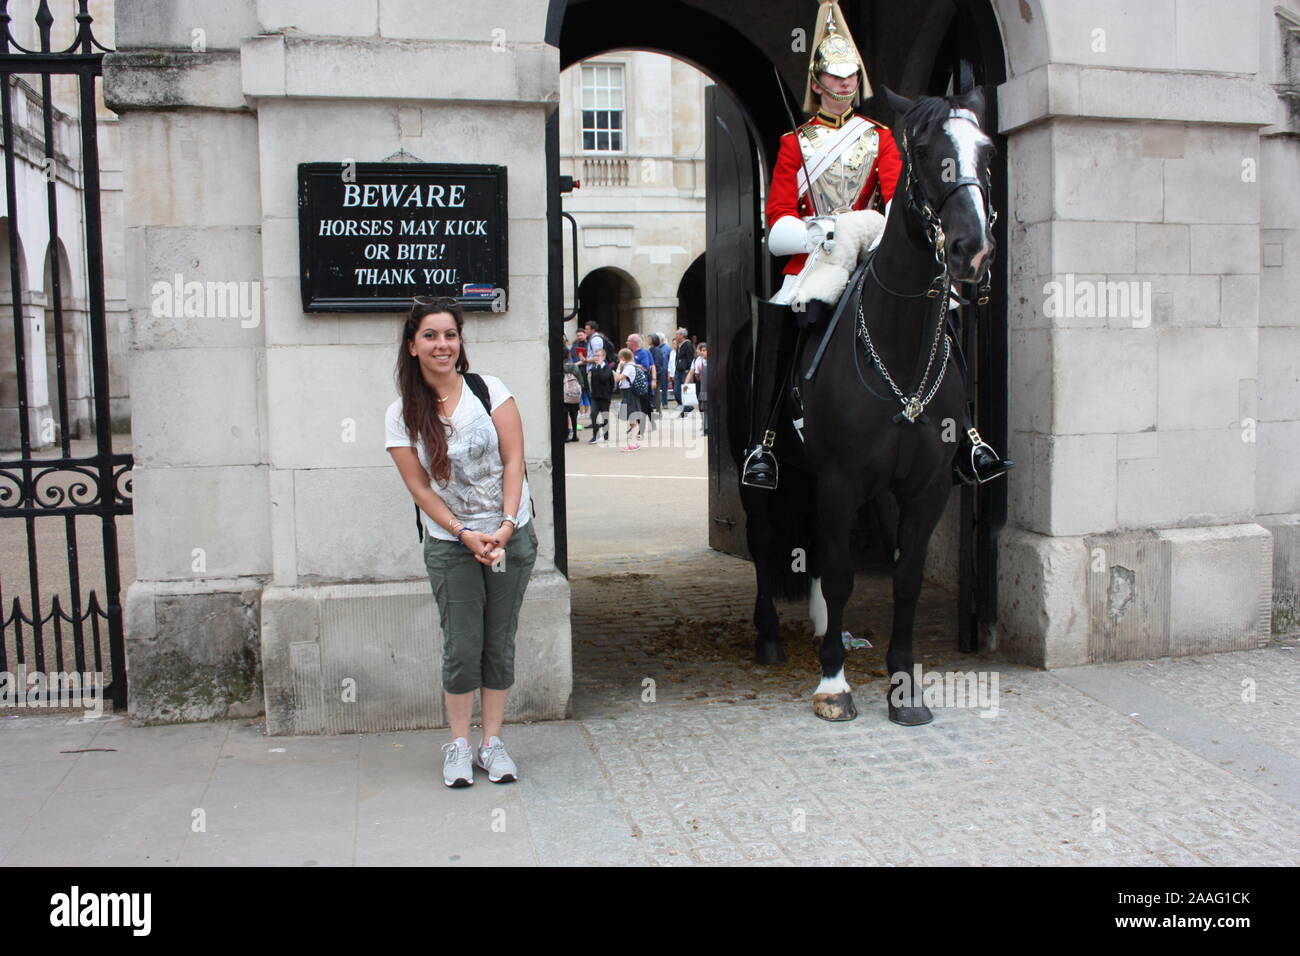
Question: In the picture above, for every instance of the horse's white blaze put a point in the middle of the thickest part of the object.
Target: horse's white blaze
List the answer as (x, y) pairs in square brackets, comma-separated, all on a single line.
[(833, 685), (817, 607), (967, 138)]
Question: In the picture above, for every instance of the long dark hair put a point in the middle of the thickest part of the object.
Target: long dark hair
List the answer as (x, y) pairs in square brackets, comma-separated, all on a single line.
[(419, 404)]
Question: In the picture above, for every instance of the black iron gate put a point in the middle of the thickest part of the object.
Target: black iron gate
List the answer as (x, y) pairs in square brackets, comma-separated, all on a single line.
[(80, 633)]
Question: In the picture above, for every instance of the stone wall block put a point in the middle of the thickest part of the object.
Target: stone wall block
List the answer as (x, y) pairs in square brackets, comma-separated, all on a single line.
[(1105, 381), (211, 414), (1200, 373), (223, 511), (201, 660)]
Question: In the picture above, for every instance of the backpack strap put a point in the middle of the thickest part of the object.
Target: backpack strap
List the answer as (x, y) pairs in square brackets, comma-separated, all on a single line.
[(480, 390)]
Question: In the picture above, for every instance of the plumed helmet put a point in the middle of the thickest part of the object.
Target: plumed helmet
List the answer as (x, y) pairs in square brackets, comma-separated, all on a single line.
[(833, 52)]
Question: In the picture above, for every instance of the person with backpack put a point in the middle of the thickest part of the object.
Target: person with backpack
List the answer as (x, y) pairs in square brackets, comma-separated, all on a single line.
[(600, 377), (597, 340), (458, 442), (632, 380), (578, 355), (643, 358), (572, 394)]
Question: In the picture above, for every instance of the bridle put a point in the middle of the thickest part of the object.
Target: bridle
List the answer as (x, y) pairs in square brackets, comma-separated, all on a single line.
[(919, 203), (915, 403)]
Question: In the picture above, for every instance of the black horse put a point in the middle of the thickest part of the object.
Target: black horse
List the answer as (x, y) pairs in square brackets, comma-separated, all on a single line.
[(884, 408)]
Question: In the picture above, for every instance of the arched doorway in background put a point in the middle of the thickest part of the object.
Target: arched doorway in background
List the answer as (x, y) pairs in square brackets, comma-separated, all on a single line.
[(691, 314), (605, 296)]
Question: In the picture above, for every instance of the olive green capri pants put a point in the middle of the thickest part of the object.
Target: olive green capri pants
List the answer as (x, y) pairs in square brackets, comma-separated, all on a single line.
[(479, 610)]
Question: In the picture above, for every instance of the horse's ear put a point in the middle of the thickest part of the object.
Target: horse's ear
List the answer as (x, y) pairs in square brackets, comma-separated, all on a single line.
[(900, 104), (974, 100)]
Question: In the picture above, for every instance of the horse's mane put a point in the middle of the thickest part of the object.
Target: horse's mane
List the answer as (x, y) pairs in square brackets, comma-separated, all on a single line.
[(928, 114)]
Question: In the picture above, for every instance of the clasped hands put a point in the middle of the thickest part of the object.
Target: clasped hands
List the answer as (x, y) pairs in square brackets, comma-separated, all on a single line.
[(488, 548), (821, 233)]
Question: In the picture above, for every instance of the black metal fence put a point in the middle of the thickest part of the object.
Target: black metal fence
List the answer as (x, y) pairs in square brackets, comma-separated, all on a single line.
[(81, 631)]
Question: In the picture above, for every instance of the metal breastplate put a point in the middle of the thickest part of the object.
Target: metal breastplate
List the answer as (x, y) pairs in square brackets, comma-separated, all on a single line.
[(837, 189)]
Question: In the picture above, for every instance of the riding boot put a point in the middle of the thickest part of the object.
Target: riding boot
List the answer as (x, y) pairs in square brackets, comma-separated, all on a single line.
[(760, 466), (976, 461)]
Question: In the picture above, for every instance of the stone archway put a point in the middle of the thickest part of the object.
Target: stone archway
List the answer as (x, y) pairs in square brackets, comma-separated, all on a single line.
[(691, 313), (607, 296)]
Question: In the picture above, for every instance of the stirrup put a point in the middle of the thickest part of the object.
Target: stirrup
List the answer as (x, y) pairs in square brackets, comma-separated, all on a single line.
[(971, 473), (760, 461)]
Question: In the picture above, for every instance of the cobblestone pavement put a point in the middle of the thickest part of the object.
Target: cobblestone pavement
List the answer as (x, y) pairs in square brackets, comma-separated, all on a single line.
[(682, 619), (1145, 763)]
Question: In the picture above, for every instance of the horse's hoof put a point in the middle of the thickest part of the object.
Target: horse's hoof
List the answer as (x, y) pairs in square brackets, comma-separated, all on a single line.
[(910, 716), (769, 652), (834, 706)]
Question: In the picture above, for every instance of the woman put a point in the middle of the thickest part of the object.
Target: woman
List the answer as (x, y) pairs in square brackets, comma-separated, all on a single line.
[(464, 466), (699, 376), (572, 395), (633, 408)]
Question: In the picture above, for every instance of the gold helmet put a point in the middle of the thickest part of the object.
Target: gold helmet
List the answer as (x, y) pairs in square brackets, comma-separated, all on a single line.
[(834, 52)]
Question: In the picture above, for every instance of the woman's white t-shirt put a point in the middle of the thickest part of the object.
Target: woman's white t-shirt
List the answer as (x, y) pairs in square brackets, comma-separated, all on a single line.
[(475, 491)]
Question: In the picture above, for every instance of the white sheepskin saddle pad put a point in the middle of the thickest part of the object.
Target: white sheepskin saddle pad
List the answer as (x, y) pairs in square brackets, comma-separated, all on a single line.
[(855, 233)]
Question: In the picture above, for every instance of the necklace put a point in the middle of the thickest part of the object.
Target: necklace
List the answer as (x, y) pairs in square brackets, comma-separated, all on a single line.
[(441, 400)]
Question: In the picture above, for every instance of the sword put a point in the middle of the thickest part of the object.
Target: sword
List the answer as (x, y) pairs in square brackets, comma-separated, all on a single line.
[(794, 128)]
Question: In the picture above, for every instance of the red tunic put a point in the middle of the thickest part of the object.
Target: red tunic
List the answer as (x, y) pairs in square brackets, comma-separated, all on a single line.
[(783, 196)]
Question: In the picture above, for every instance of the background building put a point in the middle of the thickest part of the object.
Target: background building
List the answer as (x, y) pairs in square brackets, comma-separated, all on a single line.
[(632, 133)]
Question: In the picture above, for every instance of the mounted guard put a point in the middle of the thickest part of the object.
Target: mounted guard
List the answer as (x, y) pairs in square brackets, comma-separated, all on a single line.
[(837, 162)]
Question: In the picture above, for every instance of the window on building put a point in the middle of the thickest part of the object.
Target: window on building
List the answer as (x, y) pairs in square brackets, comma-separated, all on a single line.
[(602, 107)]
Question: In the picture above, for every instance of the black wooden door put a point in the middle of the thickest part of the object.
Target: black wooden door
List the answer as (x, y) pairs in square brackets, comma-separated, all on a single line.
[(731, 266), (971, 55)]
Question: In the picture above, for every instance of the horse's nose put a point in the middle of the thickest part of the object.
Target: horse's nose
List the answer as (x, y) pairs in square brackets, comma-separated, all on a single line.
[(970, 251), (964, 250)]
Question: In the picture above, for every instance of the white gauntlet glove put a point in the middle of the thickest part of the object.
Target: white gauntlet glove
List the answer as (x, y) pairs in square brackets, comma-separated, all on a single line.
[(791, 236)]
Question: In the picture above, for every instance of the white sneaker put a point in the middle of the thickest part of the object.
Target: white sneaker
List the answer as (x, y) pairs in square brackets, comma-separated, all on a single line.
[(493, 758), (457, 767)]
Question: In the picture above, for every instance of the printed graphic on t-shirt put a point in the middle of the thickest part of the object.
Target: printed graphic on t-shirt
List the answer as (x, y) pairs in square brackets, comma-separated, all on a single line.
[(475, 487)]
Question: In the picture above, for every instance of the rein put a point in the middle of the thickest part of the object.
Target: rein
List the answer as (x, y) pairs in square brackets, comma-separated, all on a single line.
[(914, 404)]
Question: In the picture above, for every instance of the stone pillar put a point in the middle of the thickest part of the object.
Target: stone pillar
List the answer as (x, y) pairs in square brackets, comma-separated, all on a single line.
[(315, 602), (197, 381), (1278, 456), (1135, 343)]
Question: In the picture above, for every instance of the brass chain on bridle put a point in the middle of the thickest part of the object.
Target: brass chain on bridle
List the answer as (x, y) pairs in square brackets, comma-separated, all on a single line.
[(914, 404)]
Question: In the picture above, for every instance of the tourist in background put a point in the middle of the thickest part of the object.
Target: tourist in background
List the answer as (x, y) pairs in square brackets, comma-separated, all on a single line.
[(684, 355), (699, 377), (630, 377), (601, 378)]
